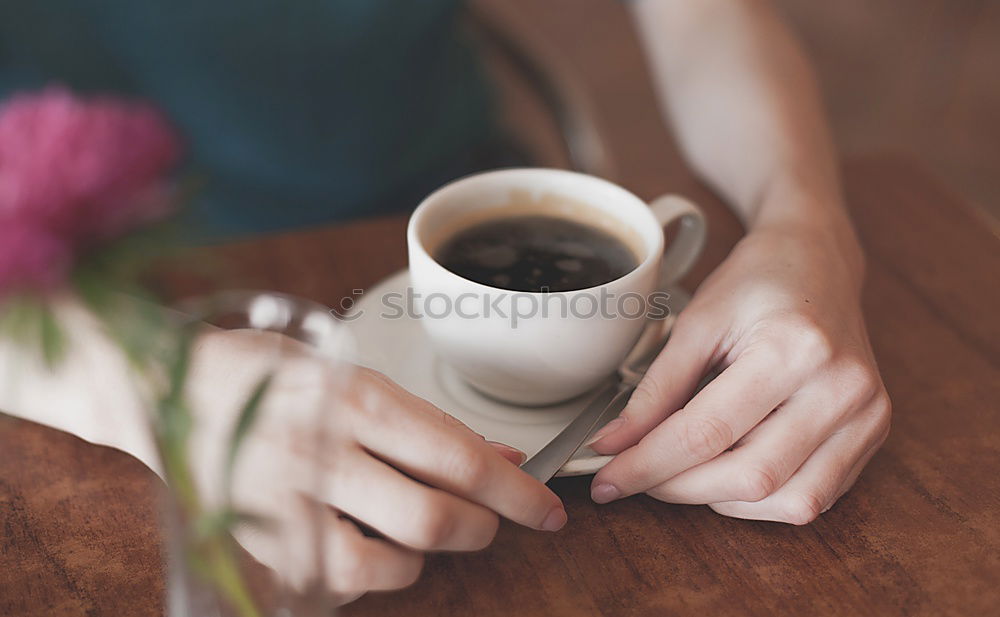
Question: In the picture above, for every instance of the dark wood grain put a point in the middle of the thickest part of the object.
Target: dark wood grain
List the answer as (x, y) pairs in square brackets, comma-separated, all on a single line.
[(80, 532), (915, 75), (918, 535)]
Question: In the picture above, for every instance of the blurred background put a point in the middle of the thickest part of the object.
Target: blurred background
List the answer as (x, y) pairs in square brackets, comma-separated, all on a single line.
[(921, 77)]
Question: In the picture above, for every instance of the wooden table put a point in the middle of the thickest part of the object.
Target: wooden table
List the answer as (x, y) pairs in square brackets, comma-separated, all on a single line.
[(918, 535)]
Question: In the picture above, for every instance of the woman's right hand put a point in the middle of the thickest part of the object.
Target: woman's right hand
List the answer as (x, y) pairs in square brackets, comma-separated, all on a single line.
[(389, 460)]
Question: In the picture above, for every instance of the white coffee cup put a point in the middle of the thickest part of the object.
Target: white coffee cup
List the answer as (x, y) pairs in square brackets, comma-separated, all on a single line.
[(490, 336)]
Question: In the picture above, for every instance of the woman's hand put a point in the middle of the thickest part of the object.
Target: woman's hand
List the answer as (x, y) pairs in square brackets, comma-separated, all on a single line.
[(798, 408), (388, 460)]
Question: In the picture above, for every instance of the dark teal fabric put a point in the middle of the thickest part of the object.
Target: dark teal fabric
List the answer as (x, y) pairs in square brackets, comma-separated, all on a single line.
[(295, 111)]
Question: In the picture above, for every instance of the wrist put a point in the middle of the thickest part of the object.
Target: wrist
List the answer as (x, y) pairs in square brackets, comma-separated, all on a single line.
[(832, 262), (813, 212)]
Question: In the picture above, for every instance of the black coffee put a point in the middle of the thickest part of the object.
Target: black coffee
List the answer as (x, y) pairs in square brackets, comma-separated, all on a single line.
[(536, 253)]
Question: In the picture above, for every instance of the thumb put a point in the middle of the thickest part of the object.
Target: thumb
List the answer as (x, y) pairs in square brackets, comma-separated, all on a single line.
[(666, 387)]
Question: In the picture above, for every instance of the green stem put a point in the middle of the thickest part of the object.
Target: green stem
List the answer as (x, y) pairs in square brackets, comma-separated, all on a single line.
[(228, 578), (213, 557), (217, 559)]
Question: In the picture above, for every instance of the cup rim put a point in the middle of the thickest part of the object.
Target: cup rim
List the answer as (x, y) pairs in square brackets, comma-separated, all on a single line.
[(415, 242)]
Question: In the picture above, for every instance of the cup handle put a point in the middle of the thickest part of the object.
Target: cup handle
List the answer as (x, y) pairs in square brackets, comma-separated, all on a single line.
[(677, 260), (686, 248)]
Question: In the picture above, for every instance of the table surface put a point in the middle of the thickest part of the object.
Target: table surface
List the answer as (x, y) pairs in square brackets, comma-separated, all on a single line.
[(918, 535)]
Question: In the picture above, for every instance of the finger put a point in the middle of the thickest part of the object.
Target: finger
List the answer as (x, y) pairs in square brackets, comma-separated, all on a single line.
[(512, 454), (515, 456), (352, 564), (766, 457), (356, 564), (414, 515), (287, 541), (852, 477), (728, 407), (667, 385), (821, 479), (427, 444)]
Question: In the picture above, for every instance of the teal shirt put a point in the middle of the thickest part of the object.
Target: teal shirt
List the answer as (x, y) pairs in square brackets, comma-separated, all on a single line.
[(295, 111)]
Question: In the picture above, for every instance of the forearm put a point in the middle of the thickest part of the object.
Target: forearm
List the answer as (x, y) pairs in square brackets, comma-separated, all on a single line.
[(89, 393), (744, 104), (92, 391)]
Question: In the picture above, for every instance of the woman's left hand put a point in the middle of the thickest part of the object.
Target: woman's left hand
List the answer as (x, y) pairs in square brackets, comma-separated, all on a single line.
[(798, 408)]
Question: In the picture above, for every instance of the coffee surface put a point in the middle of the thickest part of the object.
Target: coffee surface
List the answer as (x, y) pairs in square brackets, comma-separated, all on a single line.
[(536, 253)]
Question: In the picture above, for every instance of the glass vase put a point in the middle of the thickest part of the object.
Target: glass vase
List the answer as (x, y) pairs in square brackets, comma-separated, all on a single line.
[(231, 548)]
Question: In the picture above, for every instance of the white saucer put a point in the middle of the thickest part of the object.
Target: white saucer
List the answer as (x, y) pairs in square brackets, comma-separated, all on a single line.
[(398, 347)]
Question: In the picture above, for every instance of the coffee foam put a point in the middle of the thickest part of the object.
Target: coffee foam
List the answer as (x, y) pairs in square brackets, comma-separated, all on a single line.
[(522, 202)]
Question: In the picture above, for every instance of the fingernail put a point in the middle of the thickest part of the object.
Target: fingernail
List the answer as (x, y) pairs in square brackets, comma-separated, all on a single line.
[(555, 519), (603, 493), (511, 454), (606, 430)]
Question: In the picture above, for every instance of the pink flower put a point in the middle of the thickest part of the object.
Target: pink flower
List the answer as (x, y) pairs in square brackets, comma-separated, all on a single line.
[(30, 258), (77, 172)]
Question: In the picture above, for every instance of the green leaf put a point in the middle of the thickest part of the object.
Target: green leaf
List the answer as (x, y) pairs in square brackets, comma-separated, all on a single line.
[(52, 339), (214, 523), (219, 523), (18, 318), (30, 323), (243, 424), (174, 422), (180, 363), (92, 289)]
